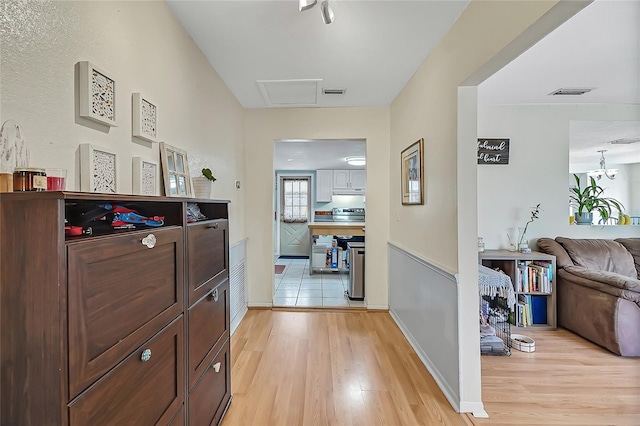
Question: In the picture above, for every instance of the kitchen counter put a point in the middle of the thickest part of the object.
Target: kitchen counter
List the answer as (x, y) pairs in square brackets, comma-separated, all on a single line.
[(336, 228)]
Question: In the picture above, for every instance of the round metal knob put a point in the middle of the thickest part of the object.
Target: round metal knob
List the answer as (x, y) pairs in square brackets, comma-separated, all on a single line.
[(146, 355), (214, 295), (149, 241), (214, 226)]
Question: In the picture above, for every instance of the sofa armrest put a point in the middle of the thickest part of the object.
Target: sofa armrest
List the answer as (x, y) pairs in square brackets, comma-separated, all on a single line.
[(606, 282)]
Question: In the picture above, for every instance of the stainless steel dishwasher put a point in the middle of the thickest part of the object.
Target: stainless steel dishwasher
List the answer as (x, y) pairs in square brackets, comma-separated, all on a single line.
[(355, 290)]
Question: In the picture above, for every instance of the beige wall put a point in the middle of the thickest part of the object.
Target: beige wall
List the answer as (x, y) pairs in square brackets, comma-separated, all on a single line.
[(443, 232), (145, 49), (262, 127)]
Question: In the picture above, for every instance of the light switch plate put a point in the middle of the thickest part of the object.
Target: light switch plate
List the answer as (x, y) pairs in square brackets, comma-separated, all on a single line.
[(237, 184)]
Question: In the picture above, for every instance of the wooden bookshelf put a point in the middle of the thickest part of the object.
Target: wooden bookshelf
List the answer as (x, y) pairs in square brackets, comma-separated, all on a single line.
[(508, 261)]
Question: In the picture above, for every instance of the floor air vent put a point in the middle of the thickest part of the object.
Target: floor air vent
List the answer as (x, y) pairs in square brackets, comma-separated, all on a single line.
[(333, 91)]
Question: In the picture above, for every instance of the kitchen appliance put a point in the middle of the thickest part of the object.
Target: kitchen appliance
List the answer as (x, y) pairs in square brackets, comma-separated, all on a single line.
[(340, 214), (355, 289), (323, 216)]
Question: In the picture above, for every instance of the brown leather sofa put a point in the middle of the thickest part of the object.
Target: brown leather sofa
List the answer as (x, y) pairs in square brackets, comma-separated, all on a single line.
[(598, 290)]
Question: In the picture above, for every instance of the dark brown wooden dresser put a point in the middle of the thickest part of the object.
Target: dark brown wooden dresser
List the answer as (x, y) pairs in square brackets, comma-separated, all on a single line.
[(117, 327)]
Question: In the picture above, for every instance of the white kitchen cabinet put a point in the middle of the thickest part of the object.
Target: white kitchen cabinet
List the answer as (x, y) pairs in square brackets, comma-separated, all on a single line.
[(349, 181), (324, 186)]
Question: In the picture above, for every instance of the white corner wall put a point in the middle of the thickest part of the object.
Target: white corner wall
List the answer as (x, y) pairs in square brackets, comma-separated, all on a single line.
[(538, 171), (145, 49), (484, 38), (262, 128)]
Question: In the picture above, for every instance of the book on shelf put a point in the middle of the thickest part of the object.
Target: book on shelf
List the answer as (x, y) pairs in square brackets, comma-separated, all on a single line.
[(534, 277), (530, 310)]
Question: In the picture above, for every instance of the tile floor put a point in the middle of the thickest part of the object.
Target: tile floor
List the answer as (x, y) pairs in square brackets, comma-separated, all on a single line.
[(295, 287)]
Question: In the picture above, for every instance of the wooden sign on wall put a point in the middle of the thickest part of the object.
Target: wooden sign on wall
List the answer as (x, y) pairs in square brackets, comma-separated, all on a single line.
[(493, 151)]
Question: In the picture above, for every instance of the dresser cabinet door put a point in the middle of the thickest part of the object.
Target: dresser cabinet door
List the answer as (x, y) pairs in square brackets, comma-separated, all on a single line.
[(121, 292), (207, 254), (209, 398), (208, 326), (146, 389)]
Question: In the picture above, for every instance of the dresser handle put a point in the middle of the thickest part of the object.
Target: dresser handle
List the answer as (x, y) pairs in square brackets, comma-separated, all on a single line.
[(146, 355), (216, 367), (214, 226), (149, 241), (214, 295)]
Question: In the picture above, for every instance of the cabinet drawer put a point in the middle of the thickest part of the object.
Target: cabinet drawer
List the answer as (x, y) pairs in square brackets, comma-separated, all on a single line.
[(137, 392), (120, 294), (207, 253), (208, 326), (207, 401)]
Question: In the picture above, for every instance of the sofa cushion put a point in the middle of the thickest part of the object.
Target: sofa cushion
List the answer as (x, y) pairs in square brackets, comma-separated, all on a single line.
[(601, 255), (550, 246), (633, 246)]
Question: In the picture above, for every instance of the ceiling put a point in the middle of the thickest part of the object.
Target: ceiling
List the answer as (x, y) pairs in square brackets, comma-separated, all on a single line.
[(371, 49), (598, 48), (300, 154), (374, 47)]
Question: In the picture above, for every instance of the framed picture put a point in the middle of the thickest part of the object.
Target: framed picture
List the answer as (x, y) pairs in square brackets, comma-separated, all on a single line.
[(146, 176), (98, 169), (145, 118), (175, 171), (412, 164), (97, 94)]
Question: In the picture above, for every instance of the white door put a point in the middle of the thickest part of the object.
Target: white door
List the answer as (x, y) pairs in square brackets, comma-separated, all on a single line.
[(295, 206), (358, 179)]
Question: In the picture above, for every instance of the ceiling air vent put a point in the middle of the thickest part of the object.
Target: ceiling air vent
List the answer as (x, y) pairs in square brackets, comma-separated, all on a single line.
[(625, 141), (333, 91), (571, 91)]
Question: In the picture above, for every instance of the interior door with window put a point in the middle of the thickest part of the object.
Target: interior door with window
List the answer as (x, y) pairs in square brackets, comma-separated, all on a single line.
[(295, 206)]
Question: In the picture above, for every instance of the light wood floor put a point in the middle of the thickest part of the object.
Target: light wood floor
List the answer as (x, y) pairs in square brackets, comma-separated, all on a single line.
[(356, 368), (330, 368), (566, 381)]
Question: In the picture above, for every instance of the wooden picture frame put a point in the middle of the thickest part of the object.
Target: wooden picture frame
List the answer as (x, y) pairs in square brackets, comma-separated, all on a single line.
[(97, 91), (98, 169), (146, 176), (144, 118), (412, 173), (175, 171)]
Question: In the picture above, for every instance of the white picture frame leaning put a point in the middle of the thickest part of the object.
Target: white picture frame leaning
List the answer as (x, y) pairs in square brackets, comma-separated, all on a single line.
[(98, 169), (97, 91), (175, 171), (146, 176), (144, 118)]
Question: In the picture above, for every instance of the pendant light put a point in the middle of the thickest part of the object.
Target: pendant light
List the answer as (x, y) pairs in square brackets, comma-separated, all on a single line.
[(603, 171)]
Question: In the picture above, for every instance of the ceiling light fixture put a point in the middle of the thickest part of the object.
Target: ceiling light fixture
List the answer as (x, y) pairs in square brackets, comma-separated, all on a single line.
[(325, 9), (603, 171), (356, 161), (306, 4)]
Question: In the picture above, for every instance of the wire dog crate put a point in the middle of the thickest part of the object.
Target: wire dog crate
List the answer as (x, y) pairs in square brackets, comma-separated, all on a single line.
[(497, 300)]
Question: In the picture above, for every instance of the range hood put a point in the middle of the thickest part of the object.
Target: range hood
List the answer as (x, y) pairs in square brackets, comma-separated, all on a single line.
[(348, 191)]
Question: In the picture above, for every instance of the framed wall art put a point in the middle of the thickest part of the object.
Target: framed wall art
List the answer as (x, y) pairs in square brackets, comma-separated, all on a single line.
[(97, 94), (98, 169), (412, 175), (145, 118), (146, 176), (175, 171)]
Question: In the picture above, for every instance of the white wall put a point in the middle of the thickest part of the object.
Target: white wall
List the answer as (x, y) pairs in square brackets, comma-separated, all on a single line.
[(537, 171), (262, 128), (145, 49)]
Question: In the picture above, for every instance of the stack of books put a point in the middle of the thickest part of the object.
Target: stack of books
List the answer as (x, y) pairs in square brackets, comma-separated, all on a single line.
[(534, 276), (530, 310)]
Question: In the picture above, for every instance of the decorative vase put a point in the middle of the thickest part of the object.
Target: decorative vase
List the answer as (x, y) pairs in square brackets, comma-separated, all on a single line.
[(201, 187), (584, 218)]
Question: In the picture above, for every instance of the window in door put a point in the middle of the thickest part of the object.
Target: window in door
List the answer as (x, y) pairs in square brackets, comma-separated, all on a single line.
[(295, 200)]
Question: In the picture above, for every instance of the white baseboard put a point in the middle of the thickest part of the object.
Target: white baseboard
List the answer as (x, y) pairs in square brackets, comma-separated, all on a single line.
[(442, 384), (237, 319), (260, 305), (378, 307)]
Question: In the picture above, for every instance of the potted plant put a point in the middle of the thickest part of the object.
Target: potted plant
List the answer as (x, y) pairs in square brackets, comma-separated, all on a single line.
[(589, 199), (202, 184)]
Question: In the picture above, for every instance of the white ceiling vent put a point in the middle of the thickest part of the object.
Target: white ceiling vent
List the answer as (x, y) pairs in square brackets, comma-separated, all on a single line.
[(288, 93), (333, 91), (571, 91), (625, 141)]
